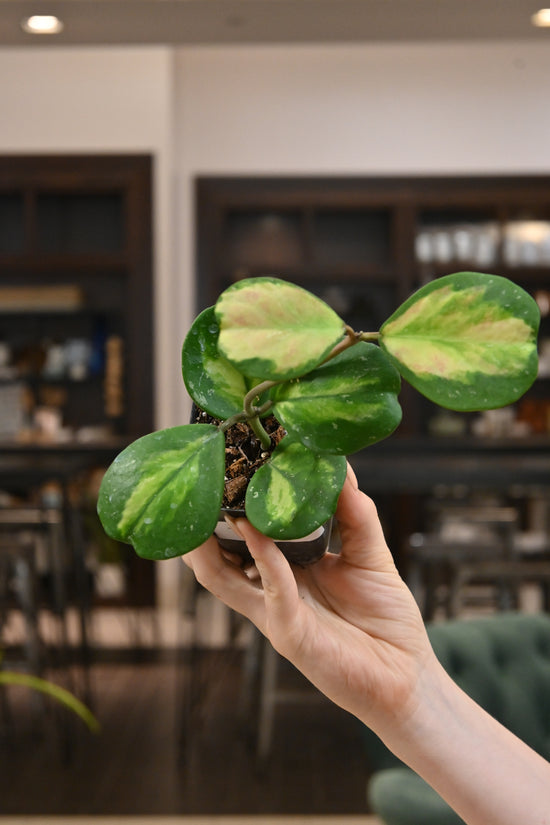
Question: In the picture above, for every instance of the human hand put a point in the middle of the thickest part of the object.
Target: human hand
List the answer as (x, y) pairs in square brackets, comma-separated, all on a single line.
[(348, 622)]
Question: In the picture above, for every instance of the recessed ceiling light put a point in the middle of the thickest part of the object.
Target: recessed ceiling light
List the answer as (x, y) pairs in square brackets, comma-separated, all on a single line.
[(541, 18), (42, 24)]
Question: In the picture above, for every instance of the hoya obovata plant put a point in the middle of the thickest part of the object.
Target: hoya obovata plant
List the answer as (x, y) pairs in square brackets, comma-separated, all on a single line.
[(465, 341)]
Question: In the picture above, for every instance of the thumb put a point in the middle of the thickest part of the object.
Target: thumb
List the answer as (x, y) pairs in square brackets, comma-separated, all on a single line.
[(363, 541)]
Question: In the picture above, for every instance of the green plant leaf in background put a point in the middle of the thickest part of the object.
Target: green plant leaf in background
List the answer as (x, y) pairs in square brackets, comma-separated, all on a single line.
[(163, 493), (275, 329), (295, 492), (213, 383), (466, 341), (344, 405), (61, 695)]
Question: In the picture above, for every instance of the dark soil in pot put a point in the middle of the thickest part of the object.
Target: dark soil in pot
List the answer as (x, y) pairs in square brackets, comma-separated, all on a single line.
[(244, 454)]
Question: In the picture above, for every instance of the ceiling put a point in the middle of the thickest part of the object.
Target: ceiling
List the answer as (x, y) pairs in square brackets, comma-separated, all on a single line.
[(271, 21)]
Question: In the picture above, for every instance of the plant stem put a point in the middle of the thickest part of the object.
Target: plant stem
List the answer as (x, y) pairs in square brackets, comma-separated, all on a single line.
[(258, 430), (252, 412), (229, 422), (350, 340)]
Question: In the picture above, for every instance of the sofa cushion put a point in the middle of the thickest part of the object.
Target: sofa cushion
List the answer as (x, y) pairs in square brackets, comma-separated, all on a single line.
[(400, 797), (503, 662)]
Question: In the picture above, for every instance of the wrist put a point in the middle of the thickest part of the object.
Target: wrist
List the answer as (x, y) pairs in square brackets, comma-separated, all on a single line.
[(413, 725)]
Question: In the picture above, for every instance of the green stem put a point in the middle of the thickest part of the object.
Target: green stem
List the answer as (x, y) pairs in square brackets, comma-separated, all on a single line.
[(255, 392), (252, 412), (257, 428), (229, 422)]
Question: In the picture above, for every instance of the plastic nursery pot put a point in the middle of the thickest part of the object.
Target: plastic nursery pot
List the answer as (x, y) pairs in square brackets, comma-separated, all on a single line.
[(303, 552)]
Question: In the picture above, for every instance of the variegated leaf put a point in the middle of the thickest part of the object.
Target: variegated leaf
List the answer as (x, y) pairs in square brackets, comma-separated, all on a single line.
[(163, 493), (345, 405), (275, 329), (213, 383), (466, 341), (295, 492)]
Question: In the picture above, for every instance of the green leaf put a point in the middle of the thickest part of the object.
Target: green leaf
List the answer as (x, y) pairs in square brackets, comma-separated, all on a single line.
[(466, 341), (213, 383), (275, 329), (345, 405), (295, 492), (61, 695), (163, 493)]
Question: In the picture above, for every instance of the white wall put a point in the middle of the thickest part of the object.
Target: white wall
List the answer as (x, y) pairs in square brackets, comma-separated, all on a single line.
[(356, 109), (102, 100), (364, 108)]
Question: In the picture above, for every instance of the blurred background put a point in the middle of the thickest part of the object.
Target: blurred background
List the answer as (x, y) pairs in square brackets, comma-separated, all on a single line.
[(152, 153)]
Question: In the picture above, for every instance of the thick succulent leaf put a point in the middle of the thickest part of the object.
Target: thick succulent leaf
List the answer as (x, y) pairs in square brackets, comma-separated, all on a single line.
[(345, 405), (466, 341), (213, 383), (163, 493), (295, 492), (275, 329)]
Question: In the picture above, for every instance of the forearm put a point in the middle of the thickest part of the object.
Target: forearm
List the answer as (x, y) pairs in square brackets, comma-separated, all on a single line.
[(481, 769)]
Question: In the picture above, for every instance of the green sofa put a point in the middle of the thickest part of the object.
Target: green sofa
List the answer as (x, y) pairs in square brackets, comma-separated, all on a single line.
[(503, 662)]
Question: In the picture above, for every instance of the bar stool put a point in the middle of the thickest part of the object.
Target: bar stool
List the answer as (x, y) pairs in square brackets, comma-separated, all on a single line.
[(32, 581), (19, 589), (33, 565)]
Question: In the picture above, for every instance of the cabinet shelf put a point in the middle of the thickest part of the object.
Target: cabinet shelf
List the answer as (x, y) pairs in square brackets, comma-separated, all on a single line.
[(82, 225), (350, 272), (520, 274), (36, 379), (46, 263), (48, 313)]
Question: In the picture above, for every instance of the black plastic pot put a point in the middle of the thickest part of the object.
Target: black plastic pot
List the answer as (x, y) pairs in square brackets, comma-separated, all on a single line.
[(304, 551)]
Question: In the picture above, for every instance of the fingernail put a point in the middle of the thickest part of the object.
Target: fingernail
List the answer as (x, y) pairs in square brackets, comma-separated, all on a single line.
[(234, 524)]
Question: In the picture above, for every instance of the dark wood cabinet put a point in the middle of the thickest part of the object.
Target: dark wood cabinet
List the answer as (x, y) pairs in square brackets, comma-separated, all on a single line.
[(75, 264), (364, 245), (76, 325)]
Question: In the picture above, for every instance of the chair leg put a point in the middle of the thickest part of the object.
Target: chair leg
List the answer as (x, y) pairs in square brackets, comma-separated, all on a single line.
[(25, 585)]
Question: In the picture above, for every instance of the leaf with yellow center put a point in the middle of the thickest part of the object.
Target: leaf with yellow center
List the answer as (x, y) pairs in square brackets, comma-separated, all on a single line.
[(466, 341), (163, 493), (275, 329), (295, 492)]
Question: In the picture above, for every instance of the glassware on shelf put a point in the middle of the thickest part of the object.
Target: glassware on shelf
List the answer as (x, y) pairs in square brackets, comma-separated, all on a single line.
[(475, 244), (527, 243)]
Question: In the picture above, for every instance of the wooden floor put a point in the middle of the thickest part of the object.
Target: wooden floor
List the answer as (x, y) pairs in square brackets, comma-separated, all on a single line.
[(145, 761)]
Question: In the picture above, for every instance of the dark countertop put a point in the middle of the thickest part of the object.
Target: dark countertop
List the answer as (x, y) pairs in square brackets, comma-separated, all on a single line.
[(417, 465)]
